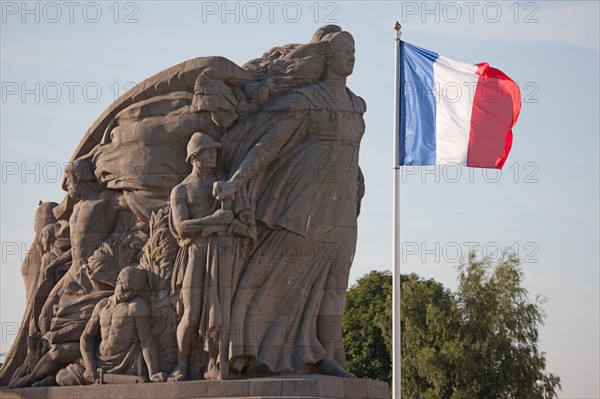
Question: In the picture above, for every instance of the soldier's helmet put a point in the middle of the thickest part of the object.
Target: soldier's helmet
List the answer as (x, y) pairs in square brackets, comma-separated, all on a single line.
[(198, 142)]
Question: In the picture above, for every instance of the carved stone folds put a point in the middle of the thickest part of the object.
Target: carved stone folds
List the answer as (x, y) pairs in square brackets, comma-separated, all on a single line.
[(207, 233)]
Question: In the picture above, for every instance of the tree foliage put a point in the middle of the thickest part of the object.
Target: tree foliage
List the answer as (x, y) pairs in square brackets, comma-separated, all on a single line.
[(478, 342), (365, 318)]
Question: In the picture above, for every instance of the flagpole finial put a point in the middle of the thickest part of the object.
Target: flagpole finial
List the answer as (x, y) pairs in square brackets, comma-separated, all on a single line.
[(397, 26)]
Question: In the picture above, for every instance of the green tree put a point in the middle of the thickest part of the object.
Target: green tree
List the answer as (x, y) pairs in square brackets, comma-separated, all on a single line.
[(365, 314), (498, 341), (479, 342), (429, 321)]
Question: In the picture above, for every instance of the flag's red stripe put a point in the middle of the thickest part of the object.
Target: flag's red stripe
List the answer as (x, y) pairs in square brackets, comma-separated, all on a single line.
[(496, 106)]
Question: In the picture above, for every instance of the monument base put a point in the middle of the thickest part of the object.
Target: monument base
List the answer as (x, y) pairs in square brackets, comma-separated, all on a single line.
[(289, 387)]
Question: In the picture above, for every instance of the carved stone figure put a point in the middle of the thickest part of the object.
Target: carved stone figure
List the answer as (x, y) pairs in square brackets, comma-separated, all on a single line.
[(295, 172), (122, 321), (225, 199), (93, 218), (55, 262), (69, 316), (197, 223), (20, 362), (158, 258), (55, 243), (57, 256)]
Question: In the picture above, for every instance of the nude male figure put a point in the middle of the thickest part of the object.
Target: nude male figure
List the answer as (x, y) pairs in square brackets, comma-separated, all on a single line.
[(122, 322), (194, 217), (93, 218)]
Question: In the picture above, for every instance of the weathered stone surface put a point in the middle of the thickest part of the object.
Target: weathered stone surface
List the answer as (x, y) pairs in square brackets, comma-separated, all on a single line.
[(297, 386), (377, 389), (265, 388), (208, 232), (355, 388), (217, 389)]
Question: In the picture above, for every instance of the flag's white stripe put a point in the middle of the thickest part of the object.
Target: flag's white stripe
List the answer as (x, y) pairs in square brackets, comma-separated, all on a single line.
[(455, 84)]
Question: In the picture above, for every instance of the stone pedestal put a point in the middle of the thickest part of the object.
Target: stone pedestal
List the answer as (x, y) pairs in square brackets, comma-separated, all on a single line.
[(288, 387)]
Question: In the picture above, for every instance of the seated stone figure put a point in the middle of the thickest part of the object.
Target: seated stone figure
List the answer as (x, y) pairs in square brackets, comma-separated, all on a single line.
[(69, 318), (118, 338), (19, 360), (49, 250)]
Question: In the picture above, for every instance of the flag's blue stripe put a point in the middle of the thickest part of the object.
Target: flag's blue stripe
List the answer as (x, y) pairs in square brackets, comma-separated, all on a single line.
[(417, 102)]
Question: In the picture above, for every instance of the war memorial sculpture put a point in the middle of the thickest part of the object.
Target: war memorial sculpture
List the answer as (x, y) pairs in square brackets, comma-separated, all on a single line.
[(208, 229)]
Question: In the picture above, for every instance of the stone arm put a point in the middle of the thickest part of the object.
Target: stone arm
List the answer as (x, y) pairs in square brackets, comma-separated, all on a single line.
[(360, 190), (64, 335), (61, 260), (87, 343), (141, 312), (186, 227), (263, 152)]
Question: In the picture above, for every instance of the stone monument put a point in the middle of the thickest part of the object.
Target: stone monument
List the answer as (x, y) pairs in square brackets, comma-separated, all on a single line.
[(207, 233)]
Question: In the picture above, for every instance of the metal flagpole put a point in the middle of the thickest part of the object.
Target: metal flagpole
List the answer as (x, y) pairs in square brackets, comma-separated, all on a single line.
[(396, 348)]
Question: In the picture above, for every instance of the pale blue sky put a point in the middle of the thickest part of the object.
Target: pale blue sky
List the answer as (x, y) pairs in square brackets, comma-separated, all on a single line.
[(545, 203)]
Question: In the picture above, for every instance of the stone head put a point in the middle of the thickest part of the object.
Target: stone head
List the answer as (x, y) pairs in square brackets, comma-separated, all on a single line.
[(131, 283), (202, 150), (342, 58), (44, 215), (324, 30), (79, 173), (48, 237)]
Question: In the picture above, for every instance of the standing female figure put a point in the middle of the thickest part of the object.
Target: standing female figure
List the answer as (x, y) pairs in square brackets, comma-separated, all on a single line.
[(295, 178)]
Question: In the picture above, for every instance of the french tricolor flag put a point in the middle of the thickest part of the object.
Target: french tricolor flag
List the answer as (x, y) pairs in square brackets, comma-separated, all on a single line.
[(451, 112)]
